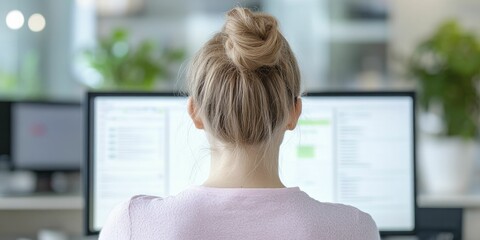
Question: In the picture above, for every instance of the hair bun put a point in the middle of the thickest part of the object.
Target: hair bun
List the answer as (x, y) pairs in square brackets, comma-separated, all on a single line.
[(252, 39)]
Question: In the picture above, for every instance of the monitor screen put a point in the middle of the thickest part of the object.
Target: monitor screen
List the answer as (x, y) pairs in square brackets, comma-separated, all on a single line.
[(47, 136), (349, 148)]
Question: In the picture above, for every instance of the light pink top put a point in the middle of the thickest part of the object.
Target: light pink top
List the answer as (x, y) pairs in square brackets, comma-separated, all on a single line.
[(237, 213)]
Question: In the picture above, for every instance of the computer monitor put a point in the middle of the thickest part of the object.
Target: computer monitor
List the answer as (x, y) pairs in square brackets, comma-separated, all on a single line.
[(46, 136), (354, 148)]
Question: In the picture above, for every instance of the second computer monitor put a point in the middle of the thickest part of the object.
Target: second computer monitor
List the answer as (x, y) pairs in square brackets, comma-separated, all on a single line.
[(351, 148), (46, 136)]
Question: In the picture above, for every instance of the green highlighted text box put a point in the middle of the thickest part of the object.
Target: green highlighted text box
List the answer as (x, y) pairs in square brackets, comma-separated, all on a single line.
[(305, 151), (313, 122)]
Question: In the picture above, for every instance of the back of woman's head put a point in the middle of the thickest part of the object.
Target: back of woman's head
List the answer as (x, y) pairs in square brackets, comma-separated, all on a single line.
[(245, 80)]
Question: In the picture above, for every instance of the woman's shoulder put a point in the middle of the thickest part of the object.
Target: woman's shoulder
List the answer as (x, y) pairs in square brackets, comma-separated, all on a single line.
[(143, 199), (340, 216), (337, 209), (143, 202), (349, 221), (347, 213), (325, 206)]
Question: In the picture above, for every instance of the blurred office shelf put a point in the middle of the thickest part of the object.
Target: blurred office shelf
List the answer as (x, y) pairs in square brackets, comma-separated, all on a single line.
[(360, 31), (41, 202), (470, 199)]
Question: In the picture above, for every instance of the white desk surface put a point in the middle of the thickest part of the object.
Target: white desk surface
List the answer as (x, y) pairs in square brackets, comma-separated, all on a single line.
[(41, 202)]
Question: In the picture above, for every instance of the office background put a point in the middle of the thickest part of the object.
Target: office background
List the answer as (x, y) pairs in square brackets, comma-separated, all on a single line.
[(50, 50)]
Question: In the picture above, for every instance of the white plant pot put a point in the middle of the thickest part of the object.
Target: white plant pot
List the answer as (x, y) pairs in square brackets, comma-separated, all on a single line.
[(446, 164)]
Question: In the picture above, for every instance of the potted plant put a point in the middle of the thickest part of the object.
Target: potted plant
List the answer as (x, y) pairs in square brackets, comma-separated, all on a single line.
[(447, 69), (123, 66)]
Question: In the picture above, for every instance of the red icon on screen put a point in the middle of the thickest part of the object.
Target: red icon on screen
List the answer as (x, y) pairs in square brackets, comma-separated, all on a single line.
[(38, 130)]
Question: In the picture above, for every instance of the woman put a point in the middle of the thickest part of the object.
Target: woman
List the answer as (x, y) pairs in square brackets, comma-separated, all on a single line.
[(245, 93)]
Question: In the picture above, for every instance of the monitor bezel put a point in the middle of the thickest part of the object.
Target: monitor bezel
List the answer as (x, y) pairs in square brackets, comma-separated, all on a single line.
[(46, 169), (89, 142), (5, 129)]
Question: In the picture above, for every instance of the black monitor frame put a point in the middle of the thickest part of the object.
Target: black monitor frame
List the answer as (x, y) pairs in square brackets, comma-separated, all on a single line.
[(88, 166), (5, 131)]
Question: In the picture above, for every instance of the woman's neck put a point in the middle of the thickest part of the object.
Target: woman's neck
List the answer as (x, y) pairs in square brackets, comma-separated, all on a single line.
[(244, 168)]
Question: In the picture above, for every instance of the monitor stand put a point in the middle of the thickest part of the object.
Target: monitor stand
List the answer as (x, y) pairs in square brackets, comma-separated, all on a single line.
[(44, 182), (58, 182)]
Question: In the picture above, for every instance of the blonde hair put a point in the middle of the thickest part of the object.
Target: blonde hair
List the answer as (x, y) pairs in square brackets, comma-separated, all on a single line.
[(245, 80)]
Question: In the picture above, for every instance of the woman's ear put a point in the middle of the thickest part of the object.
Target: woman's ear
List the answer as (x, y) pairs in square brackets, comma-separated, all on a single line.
[(295, 114), (192, 111)]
